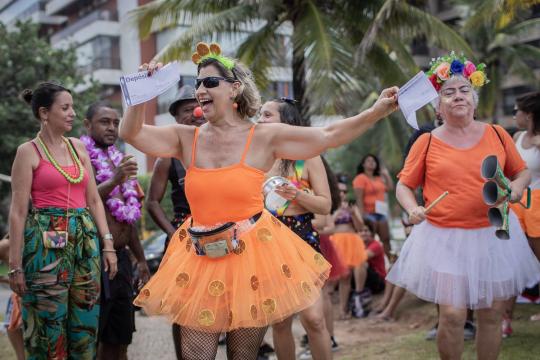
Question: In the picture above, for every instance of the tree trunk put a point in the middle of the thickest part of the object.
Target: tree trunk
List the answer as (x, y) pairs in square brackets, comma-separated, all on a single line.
[(299, 74)]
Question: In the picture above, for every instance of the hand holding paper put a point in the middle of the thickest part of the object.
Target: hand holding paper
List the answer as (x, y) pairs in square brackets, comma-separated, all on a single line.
[(139, 87), (412, 96)]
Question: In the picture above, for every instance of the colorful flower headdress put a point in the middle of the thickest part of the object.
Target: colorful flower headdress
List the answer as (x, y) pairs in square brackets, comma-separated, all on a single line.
[(212, 51), (444, 67)]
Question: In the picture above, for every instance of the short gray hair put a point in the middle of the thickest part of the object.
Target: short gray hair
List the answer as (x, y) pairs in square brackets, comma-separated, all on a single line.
[(437, 101)]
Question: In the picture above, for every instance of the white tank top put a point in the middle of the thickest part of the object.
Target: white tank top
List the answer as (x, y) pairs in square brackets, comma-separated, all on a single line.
[(532, 157)]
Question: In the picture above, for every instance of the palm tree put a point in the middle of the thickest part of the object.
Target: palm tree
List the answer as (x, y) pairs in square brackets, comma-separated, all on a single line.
[(324, 37), (493, 29)]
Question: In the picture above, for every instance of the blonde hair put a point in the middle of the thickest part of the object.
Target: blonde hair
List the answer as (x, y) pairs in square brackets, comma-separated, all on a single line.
[(248, 98)]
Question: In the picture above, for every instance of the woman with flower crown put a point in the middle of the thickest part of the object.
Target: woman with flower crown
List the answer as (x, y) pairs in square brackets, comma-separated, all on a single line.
[(55, 258), (233, 267), (452, 256)]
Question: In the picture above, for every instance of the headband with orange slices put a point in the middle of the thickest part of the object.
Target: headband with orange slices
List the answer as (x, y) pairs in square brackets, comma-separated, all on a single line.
[(212, 51)]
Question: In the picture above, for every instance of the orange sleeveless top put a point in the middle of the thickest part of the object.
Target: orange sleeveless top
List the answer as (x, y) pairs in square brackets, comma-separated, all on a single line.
[(230, 193)]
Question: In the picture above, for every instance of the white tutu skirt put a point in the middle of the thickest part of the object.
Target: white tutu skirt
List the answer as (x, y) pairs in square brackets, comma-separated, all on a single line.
[(465, 268)]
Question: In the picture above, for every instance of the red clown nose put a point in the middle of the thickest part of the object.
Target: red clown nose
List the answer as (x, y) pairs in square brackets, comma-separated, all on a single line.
[(197, 112)]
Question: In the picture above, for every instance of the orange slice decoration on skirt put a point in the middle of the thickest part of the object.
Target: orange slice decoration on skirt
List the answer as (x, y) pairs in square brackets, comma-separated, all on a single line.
[(286, 270), (240, 248), (254, 283), (264, 234), (182, 280), (306, 288), (319, 259), (253, 311), (182, 234), (206, 318), (269, 306), (216, 288)]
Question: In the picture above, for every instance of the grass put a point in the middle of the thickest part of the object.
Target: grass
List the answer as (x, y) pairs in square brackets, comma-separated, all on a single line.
[(523, 344), (3, 269)]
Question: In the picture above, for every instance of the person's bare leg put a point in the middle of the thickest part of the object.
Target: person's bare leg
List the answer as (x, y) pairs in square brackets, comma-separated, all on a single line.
[(344, 291), (327, 305), (450, 332), (16, 339), (534, 243), (360, 276), (384, 235), (388, 291), (488, 331), (312, 318), (389, 311), (283, 339)]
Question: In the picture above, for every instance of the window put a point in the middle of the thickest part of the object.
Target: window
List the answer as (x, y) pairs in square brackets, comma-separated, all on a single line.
[(102, 52), (278, 89)]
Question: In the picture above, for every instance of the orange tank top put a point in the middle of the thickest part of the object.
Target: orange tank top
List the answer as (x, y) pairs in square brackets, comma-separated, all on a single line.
[(230, 193)]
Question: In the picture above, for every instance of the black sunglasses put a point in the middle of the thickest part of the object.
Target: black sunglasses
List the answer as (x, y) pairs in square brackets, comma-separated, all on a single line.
[(211, 81), (514, 112)]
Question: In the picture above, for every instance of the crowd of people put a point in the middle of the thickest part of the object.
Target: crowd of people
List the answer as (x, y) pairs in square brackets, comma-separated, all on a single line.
[(233, 268)]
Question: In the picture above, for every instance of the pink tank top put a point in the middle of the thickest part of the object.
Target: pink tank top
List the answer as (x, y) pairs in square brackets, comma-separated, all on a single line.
[(50, 188)]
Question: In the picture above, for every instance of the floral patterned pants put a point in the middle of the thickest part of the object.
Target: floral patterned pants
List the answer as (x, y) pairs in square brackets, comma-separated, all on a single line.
[(61, 305)]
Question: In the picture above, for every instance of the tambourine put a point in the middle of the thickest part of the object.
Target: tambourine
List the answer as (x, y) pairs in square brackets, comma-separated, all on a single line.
[(273, 201)]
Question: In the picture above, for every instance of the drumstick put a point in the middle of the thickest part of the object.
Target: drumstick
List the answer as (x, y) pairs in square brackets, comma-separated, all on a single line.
[(437, 200)]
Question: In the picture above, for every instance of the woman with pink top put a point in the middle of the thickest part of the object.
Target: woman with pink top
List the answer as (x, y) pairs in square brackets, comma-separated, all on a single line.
[(55, 257)]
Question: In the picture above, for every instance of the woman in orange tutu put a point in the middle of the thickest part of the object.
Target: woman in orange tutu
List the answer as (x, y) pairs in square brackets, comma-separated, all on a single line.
[(351, 249), (232, 267)]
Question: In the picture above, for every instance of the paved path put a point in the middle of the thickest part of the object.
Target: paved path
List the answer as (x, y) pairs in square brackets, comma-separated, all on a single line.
[(153, 339)]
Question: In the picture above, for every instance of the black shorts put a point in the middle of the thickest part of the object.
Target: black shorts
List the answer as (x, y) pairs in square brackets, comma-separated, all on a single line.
[(117, 312), (374, 281)]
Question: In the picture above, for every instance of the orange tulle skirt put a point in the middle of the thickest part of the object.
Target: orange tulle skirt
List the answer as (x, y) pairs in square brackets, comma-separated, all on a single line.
[(272, 275), (350, 247)]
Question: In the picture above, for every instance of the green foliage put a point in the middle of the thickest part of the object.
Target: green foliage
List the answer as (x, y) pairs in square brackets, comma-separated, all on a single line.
[(26, 60), (146, 223)]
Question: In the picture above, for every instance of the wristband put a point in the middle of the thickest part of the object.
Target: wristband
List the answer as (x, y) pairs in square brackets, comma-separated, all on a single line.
[(108, 250), (14, 271), (108, 237)]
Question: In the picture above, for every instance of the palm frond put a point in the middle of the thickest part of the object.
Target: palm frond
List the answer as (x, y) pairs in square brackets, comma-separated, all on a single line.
[(258, 50), (231, 22), (409, 21), (380, 20), (327, 55)]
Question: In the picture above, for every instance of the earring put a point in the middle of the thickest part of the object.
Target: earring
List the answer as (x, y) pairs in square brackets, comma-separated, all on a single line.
[(234, 104)]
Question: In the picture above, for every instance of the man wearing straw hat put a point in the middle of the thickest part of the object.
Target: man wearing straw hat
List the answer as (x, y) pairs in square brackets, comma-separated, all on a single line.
[(452, 256)]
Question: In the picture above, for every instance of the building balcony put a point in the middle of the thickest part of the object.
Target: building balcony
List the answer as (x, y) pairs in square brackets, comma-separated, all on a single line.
[(62, 7), (106, 20), (33, 11), (104, 62)]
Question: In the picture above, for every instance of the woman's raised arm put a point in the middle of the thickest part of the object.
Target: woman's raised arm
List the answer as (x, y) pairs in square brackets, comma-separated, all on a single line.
[(158, 141), (297, 143)]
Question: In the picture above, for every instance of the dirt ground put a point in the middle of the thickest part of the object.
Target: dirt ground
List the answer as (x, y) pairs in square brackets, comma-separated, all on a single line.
[(153, 337)]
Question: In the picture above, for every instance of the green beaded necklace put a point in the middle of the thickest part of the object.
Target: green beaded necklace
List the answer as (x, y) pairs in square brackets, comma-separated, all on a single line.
[(75, 159)]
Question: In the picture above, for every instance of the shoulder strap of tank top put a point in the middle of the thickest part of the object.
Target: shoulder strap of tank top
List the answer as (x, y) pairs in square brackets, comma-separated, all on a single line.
[(74, 149), (36, 148), (427, 149), (498, 135), (194, 147), (248, 142)]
